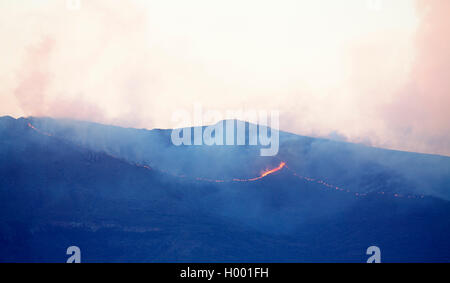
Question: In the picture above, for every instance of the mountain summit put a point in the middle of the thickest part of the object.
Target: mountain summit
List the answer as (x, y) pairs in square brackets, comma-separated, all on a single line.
[(131, 195)]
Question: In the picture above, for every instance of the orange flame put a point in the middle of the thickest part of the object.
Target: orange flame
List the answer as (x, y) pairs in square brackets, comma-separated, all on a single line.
[(263, 174), (271, 171), (268, 172)]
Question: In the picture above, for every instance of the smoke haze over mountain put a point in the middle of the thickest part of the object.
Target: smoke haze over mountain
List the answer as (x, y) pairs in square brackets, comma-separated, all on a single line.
[(377, 77)]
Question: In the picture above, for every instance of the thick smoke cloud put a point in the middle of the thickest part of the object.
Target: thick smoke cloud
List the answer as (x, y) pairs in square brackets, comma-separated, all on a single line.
[(419, 114), (332, 68)]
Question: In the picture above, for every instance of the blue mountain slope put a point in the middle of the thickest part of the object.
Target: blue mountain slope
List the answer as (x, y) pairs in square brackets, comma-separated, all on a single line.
[(356, 167), (57, 191)]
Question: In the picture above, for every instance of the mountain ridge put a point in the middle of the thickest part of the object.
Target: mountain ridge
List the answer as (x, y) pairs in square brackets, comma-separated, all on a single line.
[(315, 158), (282, 132), (57, 191)]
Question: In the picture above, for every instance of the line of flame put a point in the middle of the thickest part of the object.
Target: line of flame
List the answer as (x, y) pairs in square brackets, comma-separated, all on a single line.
[(265, 173)]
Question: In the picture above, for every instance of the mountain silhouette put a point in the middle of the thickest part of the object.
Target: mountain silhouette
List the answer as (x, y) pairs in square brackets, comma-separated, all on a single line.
[(130, 195)]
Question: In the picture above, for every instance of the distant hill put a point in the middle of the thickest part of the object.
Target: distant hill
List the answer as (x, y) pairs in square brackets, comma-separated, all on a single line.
[(356, 167), (128, 195)]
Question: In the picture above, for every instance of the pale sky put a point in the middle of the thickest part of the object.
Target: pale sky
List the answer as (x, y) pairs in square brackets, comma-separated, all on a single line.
[(376, 74)]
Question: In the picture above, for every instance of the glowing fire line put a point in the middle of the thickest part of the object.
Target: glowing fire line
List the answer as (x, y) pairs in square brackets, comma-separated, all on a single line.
[(264, 174), (39, 131)]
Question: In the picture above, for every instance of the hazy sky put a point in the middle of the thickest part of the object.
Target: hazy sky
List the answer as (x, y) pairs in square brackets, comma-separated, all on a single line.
[(349, 69)]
